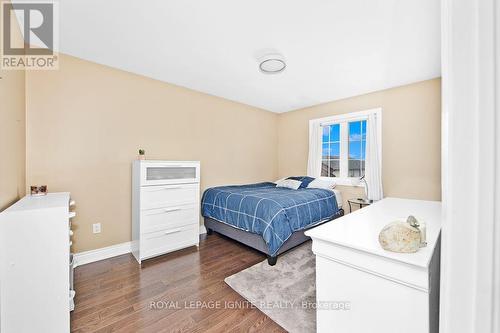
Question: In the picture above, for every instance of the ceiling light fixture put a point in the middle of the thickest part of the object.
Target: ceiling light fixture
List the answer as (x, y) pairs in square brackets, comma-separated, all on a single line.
[(272, 63)]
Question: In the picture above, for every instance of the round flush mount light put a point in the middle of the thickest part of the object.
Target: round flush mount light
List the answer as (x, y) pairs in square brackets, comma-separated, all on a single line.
[(272, 63)]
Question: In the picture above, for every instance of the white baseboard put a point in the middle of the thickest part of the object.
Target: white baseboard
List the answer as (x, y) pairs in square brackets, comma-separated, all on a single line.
[(87, 257)]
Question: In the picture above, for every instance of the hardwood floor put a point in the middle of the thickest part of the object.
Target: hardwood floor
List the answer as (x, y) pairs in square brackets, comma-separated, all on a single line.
[(116, 295)]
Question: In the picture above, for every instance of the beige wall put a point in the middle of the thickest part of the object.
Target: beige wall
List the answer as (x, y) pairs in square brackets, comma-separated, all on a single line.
[(85, 123), (12, 134), (411, 136)]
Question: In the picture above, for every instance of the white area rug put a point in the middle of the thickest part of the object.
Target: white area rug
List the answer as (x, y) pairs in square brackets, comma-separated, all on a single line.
[(285, 292)]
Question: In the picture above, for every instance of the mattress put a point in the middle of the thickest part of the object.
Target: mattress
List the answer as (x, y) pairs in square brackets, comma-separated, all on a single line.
[(273, 212)]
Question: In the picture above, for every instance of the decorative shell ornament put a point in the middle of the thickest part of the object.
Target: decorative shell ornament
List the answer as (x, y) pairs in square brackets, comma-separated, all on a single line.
[(403, 236)]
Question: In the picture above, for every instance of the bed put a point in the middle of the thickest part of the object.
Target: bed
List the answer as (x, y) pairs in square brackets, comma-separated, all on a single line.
[(268, 218)]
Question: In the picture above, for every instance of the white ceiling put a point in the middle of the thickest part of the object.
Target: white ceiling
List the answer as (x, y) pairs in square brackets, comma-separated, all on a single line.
[(333, 48)]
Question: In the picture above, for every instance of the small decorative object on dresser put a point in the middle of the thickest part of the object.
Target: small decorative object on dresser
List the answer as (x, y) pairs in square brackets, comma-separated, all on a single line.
[(403, 236), (142, 154), (37, 191), (165, 207)]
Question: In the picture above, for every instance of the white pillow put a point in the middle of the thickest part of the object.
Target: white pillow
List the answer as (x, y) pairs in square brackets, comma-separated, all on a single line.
[(338, 197), (321, 183), (289, 183)]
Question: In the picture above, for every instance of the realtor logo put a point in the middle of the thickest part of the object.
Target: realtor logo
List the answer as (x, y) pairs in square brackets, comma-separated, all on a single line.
[(36, 45)]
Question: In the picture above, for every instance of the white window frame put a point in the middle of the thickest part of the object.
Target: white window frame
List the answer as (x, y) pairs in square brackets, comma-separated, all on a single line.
[(343, 120)]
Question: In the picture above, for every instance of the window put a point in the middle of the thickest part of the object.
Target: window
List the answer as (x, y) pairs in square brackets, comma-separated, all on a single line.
[(343, 145), (357, 148), (330, 166), (331, 147)]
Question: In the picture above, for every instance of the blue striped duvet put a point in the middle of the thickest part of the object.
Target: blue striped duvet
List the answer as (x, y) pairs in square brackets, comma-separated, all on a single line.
[(275, 213)]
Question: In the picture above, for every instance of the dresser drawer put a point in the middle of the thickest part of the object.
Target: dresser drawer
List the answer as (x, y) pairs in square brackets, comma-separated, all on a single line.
[(155, 243), (168, 218), (168, 195)]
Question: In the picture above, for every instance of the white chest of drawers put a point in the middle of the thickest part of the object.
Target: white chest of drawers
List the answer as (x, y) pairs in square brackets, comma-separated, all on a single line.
[(362, 288), (165, 207), (35, 267)]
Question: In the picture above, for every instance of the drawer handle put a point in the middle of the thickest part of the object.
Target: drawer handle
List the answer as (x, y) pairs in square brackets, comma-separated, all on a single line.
[(169, 210), (166, 210), (168, 188), (172, 231)]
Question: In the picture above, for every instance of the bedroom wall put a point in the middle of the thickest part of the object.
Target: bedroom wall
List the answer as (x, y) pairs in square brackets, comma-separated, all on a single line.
[(85, 123), (12, 132), (411, 136)]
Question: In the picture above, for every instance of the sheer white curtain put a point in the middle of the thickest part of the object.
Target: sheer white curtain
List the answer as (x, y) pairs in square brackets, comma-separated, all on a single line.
[(314, 162), (373, 168)]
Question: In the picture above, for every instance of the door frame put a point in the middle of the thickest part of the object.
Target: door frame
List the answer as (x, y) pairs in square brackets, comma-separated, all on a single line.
[(470, 258)]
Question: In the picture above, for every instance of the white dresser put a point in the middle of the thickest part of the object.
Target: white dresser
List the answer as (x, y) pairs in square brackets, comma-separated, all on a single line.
[(35, 240), (362, 288), (165, 207)]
